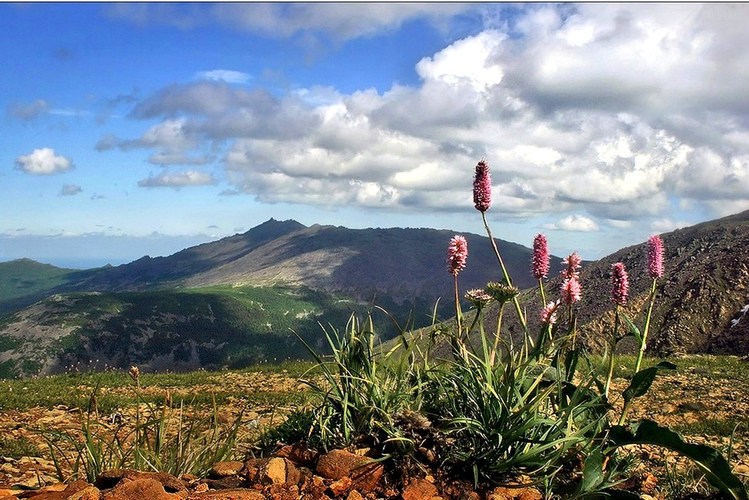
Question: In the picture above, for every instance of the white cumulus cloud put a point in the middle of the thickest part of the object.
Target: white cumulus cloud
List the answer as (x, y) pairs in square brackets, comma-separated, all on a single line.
[(622, 112), (224, 75), (579, 223), (178, 179), (43, 161)]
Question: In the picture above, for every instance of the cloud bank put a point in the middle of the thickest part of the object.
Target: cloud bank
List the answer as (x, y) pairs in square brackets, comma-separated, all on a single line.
[(604, 114)]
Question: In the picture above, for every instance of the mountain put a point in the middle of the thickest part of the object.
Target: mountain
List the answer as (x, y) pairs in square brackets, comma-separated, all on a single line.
[(702, 299), (704, 289), (174, 299), (170, 272), (167, 330), (24, 281)]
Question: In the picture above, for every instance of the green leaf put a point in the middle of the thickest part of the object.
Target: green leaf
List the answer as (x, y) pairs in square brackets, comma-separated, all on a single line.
[(643, 379), (708, 460), (666, 365), (592, 472), (633, 329), (640, 384)]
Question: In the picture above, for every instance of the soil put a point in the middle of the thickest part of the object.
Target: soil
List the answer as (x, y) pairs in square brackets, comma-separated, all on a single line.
[(684, 401)]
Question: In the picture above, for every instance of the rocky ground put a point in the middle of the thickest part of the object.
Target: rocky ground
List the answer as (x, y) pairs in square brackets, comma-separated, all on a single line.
[(692, 401)]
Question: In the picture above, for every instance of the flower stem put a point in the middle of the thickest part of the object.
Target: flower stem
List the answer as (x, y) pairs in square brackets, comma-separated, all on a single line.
[(504, 271), (543, 295), (458, 346), (496, 337), (647, 327), (611, 351)]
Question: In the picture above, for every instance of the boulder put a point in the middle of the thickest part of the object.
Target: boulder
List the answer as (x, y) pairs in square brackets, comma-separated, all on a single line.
[(140, 489), (363, 472)]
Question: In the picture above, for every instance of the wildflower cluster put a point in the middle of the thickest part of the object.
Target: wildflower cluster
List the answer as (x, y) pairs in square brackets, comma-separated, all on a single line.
[(482, 187), (540, 261), (620, 290), (508, 407), (457, 253)]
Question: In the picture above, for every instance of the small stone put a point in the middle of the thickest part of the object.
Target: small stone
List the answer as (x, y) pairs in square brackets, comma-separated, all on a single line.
[(239, 494), (274, 471), (341, 486), (501, 493), (140, 489), (693, 406), (354, 495), (224, 469), (88, 493), (299, 455), (420, 489), (337, 464)]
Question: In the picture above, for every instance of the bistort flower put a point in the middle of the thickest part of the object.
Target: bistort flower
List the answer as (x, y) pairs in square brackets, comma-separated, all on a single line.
[(549, 313), (457, 253), (620, 284), (482, 187), (571, 290), (540, 259), (655, 256), (573, 266)]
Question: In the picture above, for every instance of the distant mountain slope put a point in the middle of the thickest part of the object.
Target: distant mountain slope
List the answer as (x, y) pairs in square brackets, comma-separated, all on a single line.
[(24, 281), (402, 264), (167, 330), (168, 272), (153, 311), (704, 288)]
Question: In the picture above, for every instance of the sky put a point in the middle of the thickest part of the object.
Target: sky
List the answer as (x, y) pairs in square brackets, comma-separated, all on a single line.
[(141, 129)]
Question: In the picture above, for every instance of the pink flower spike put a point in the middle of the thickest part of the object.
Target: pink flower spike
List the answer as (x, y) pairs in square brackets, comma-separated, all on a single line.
[(549, 314), (571, 291), (457, 253), (655, 256), (540, 259), (620, 282), (573, 266), (482, 187)]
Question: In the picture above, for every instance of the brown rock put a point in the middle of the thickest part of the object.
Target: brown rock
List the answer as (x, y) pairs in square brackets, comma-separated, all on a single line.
[(299, 455), (364, 473), (238, 494), (283, 492), (112, 478), (354, 495), (273, 472), (88, 493), (341, 487), (226, 483), (420, 489), (224, 469), (514, 494), (251, 469), (140, 489), (75, 486)]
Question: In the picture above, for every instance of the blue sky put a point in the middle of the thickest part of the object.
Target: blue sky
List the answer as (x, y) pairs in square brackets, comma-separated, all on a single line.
[(135, 129)]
